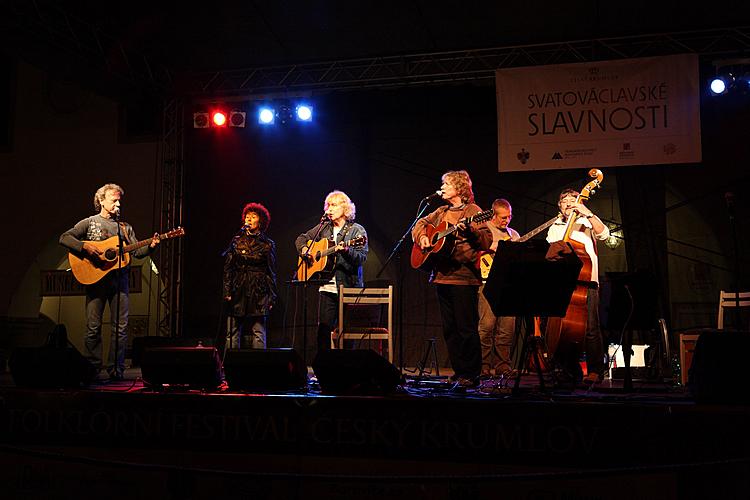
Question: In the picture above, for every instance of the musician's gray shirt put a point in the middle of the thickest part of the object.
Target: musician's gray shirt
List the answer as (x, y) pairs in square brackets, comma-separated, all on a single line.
[(97, 228)]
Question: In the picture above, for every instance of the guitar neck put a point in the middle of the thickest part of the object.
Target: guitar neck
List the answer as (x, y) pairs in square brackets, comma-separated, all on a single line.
[(143, 243), (538, 229), (466, 220)]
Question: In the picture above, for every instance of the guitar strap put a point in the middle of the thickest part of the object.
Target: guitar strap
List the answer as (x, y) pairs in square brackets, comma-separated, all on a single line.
[(342, 237), (123, 228)]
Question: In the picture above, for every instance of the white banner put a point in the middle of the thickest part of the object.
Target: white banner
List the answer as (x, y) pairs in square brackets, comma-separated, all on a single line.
[(603, 114)]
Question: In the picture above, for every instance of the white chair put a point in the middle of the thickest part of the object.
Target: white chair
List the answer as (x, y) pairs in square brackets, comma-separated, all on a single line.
[(353, 302), (730, 299)]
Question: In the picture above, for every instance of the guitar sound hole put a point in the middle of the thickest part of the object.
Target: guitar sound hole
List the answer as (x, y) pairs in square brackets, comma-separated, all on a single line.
[(110, 254)]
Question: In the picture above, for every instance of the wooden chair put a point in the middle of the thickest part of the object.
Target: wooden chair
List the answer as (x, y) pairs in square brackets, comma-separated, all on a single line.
[(371, 326), (729, 299)]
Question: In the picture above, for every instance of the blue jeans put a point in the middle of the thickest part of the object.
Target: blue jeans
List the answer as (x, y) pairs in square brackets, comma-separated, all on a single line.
[(97, 296)]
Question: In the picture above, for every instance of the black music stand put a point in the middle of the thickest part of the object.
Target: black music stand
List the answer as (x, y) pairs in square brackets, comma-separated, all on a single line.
[(523, 283)]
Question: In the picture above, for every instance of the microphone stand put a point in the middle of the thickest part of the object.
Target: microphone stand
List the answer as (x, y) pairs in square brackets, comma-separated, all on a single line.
[(423, 205), (117, 300), (303, 259)]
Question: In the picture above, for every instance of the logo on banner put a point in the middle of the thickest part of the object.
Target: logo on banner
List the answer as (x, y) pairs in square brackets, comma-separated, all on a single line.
[(523, 156), (669, 149), (557, 156), (626, 151)]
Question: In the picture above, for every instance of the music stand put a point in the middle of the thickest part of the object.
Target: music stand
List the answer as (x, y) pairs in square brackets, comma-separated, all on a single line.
[(523, 283)]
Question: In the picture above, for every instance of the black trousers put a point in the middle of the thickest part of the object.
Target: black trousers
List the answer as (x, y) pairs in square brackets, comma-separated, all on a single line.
[(328, 315), (459, 309)]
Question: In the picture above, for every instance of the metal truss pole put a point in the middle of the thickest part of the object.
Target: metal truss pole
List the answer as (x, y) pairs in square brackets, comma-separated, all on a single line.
[(171, 162)]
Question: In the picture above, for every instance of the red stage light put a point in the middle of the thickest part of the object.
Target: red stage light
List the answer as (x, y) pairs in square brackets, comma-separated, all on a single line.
[(220, 119)]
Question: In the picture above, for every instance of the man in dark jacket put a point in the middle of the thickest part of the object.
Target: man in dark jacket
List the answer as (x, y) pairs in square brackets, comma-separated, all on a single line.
[(339, 228)]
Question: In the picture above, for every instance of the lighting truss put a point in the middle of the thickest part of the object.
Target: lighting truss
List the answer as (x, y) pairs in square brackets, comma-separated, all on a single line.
[(463, 65)]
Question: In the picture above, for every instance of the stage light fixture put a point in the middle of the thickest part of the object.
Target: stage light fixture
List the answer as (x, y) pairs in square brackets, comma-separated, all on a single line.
[(219, 118), (200, 119), (720, 84), (304, 113), (237, 118), (266, 115), (284, 114)]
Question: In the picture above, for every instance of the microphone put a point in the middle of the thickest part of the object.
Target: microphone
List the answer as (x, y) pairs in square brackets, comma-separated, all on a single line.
[(437, 193), (117, 213), (325, 218)]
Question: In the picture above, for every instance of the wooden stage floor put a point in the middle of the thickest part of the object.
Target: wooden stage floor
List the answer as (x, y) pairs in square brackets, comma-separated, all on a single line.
[(429, 439)]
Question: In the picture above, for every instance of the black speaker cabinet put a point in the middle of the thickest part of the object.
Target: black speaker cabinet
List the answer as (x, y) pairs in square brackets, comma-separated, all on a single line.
[(198, 367), (265, 370), (355, 371), (50, 367), (718, 373), (140, 344)]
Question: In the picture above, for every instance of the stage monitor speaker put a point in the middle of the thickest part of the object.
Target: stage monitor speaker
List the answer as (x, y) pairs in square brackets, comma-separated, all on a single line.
[(140, 344), (50, 367), (198, 367), (265, 370), (355, 371), (718, 372)]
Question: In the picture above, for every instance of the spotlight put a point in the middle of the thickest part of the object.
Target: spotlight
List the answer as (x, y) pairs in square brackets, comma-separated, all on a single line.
[(304, 113), (720, 84), (266, 116), (219, 118), (200, 119), (237, 119)]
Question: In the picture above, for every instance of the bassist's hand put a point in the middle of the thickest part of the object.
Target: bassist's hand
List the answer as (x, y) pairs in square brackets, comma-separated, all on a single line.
[(154, 240)]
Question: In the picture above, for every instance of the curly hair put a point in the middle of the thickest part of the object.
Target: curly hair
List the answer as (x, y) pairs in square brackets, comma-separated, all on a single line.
[(462, 182), (350, 209), (101, 193), (262, 212)]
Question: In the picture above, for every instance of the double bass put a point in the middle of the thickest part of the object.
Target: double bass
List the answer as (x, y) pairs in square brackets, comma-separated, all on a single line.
[(572, 327)]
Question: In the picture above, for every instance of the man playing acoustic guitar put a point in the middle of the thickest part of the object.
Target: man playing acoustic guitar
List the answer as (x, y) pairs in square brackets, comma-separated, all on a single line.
[(78, 240), (456, 276), (338, 229)]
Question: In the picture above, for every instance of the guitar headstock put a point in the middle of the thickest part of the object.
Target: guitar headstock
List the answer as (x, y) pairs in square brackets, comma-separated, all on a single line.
[(481, 216), (175, 233)]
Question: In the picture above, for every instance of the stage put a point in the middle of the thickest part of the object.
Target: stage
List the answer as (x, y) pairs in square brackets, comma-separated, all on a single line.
[(429, 439)]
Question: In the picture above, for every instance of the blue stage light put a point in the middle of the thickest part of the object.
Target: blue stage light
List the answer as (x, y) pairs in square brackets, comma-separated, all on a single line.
[(720, 84), (304, 113), (266, 116)]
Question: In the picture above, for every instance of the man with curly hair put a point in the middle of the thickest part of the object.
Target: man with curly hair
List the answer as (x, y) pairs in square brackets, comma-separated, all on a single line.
[(113, 287), (457, 278)]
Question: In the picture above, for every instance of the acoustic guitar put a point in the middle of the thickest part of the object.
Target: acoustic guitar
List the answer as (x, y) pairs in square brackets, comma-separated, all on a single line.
[(485, 260), (318, 255), (426, 258), (88, 270)]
